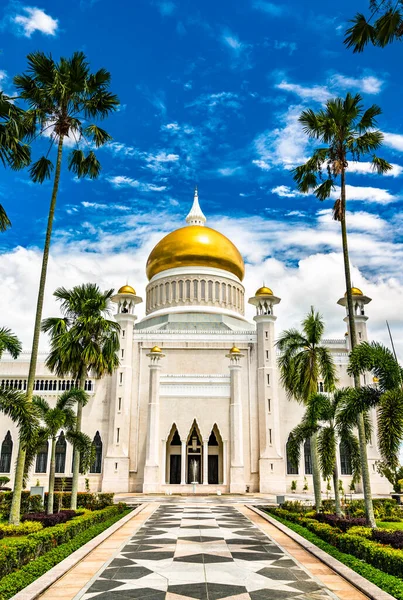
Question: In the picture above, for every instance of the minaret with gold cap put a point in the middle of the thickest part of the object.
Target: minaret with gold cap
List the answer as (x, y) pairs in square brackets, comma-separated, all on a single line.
[(271, 463), (360, 318), (116, 463), (237, 474)]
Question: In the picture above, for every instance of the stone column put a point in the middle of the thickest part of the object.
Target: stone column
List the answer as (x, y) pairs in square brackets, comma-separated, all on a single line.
[(151, 471), (237, 476), (183, 463), (205, 462), (164, 462)]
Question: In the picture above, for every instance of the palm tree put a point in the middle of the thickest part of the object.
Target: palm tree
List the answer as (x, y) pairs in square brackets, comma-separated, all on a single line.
[(14, 152), (322, 418), (348, 133), (386, 396), (386, 29), (9, 343), (61, 97), (56, 418), (24, 414), (84, 340), (303, 361)]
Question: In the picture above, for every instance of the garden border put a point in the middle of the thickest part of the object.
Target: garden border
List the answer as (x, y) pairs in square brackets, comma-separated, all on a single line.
[(363, 585), (36, 588)]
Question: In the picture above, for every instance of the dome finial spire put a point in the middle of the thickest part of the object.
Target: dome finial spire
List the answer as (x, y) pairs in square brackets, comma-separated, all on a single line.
[(196, 216)]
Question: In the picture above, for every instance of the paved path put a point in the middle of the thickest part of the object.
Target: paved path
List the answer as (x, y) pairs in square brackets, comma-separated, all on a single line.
[(204, 553)]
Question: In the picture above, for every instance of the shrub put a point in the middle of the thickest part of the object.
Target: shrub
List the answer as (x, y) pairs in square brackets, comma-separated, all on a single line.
[(340, 522), (28, 503), (92, 501), (362, 531), (383, 507), (392, 538), (16, 530), (14, 582), (328, 505), (391, 520), (22, 551), (385, 558), (50, 520), (296, 506)]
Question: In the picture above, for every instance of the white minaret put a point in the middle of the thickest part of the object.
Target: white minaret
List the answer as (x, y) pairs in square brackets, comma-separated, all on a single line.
[(116, 463), (271, 460), (152, 467), (360, 318), (196, 216), (237, 474)]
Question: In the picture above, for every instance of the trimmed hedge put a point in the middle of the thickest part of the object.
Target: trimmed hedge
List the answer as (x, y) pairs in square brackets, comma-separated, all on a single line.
[(388, 583), (22, 529), (50, 520), (28, 503), (15, 582), (393, 538), (20, 552), (340, 522), (385, 558), (92, 501)]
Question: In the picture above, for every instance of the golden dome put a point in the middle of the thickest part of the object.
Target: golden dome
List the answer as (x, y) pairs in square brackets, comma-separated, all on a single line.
[(355, 291), (127, 289), (235, 350), (195, 246), (156, 349), (264, 291)]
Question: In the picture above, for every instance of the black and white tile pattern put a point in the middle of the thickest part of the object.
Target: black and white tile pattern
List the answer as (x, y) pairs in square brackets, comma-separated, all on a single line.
[(205, 553)]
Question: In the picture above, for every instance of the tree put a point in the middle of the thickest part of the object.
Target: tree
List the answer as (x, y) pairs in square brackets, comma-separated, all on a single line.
[(349, 133), (61, 96), (61, 416), (84, 340), (9, 343), (383, 26), (386, 396), (14, 152), (303, 361), (321, 418)]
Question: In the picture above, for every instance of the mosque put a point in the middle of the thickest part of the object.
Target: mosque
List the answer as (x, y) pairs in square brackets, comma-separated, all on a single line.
[(196, 403)]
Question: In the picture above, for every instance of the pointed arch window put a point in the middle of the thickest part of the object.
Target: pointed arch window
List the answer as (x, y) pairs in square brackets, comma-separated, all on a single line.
[(96, 466), (345, 460), (292, 469), (60, 459), (308, 457), (6, 453), (42, 458)]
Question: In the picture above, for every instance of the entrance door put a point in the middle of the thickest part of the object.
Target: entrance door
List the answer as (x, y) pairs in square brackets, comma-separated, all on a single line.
[(192, 458), (175, 468), (213, 468)]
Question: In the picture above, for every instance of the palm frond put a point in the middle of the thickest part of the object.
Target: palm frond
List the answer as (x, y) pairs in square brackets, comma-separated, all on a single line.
[(390, 426), (9, 342), (327, 451), (360, 34), (41, 170), (97, 135)]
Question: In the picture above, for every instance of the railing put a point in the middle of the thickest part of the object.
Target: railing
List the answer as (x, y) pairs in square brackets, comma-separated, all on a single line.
[(48, 385)]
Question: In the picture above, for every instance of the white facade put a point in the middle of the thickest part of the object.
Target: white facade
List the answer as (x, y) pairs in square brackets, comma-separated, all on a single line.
[(183, 407)]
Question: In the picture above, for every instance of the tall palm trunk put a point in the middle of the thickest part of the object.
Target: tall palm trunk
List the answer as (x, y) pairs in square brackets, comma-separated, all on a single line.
[(336, 490), (316, 472), (19, 470), (369, 509), (52, 470), (76, 452)]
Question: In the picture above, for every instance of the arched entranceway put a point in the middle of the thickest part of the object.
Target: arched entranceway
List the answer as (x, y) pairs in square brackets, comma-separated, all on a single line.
[(174, 458), (194, 459)]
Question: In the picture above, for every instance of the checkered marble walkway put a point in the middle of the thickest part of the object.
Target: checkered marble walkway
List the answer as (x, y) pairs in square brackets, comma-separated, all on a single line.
[(204, 553)]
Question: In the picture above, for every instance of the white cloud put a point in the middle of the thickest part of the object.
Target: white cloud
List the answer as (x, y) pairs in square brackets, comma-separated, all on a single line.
[(122, 181), (274, 10), (228, 171), (356, 221), (3, 75), (101, 206), (366, 168), (393, 140), (232, 41), (36, 20), (290, 46), (119, 148), (217, 100), (262, 164), (367, 194), (171, 127), (285, 145), (284, 191), (166, 8), (315, 92), (368, 84)]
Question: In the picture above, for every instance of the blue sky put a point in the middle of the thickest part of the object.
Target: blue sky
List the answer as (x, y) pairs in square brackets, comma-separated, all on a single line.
[(210, 93)]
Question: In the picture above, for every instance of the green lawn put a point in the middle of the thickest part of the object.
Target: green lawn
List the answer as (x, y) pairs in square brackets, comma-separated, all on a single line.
[(386, 525)]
